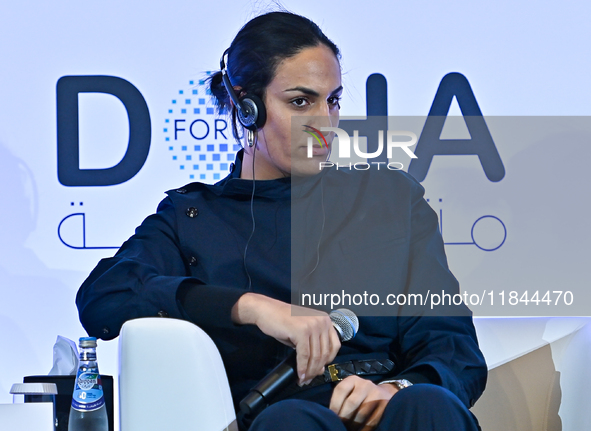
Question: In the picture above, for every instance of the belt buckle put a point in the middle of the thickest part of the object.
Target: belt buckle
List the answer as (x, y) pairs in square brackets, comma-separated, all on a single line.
[(334, 373)]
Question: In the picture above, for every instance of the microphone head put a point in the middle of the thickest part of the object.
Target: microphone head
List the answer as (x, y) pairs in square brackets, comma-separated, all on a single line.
[(345, 322)]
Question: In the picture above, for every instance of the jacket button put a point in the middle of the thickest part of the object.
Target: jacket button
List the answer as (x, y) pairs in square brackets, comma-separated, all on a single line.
[(192, 261), (162, 313), (181, 190), (192, 212), (232, 166), (106, 330)]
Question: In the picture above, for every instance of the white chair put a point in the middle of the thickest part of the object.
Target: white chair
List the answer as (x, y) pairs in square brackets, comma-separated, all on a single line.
[(171, 377)]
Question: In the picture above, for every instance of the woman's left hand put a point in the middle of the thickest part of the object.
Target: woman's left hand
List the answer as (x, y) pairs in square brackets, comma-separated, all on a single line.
[(360, 403)]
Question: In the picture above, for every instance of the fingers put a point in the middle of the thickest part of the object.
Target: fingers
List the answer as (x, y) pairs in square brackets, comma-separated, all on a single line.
[(315, 361), (302, 360), (368, 416), (350, 401), (340, 394), (359, 403), (316, 348), (335, 344)]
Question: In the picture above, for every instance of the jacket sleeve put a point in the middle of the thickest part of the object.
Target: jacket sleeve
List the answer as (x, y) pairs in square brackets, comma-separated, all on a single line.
[(442, 351), (143, 278), (437, 345)]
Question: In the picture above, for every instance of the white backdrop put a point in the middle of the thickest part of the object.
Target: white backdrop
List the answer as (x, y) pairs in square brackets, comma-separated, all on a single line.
[(521, 59)]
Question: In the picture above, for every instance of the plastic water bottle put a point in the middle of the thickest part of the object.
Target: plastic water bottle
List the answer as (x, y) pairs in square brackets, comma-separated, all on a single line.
[(88, 411)]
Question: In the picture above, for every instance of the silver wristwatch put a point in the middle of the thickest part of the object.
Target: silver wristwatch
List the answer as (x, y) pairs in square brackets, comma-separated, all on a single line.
[(399, 383)]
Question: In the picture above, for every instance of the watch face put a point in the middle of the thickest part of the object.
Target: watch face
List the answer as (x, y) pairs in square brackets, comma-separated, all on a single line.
[(402, 383)]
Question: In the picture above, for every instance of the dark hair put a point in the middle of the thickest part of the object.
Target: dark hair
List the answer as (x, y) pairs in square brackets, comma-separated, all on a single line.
[(257, 50)]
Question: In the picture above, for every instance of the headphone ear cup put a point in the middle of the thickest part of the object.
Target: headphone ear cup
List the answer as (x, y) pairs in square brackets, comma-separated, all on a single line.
[(254, 114)]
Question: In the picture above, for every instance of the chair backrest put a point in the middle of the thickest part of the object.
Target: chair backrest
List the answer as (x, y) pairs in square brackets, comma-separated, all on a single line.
[(171, 377)]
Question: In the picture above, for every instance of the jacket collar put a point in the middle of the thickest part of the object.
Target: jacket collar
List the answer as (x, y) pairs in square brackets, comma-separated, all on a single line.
[(233, 185), (281, 188)]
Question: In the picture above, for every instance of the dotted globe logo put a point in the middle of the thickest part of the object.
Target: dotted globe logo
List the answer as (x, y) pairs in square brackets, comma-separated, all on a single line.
[(199, 142)]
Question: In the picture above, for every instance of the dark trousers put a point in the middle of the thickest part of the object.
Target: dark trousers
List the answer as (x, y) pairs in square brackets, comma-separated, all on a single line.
[(421, 407)]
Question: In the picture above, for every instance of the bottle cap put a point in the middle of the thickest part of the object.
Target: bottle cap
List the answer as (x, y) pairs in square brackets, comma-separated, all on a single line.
[(34, 388), (86, 342)]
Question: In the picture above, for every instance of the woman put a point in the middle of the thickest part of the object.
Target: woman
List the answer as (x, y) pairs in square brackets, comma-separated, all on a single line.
[(220, 256)]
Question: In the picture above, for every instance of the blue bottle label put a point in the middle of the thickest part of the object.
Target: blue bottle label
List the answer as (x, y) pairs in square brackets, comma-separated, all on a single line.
[(88, 392)]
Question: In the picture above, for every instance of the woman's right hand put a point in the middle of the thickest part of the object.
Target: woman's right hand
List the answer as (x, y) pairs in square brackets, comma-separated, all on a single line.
[(309, 331)]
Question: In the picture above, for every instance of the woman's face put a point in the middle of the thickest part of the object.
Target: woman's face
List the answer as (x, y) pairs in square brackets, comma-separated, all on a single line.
[(307, 85)]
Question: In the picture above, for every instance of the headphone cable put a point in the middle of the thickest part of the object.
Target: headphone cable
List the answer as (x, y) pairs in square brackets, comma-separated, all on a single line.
[(251, 216)]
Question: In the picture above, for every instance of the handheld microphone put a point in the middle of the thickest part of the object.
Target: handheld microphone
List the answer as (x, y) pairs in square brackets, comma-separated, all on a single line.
[(345, 323)]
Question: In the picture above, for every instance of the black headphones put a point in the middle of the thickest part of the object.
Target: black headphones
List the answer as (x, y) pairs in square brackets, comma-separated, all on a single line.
[(251, 109)]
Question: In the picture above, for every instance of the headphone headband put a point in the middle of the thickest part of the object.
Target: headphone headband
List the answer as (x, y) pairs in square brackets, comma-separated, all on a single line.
[(226, 80)]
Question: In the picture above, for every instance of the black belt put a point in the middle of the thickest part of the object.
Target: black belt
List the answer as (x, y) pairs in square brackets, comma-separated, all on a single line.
[(337, 372), (363, 367)]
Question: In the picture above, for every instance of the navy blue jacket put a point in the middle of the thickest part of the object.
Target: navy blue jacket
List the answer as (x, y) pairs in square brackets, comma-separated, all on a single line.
[(196, 243)]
